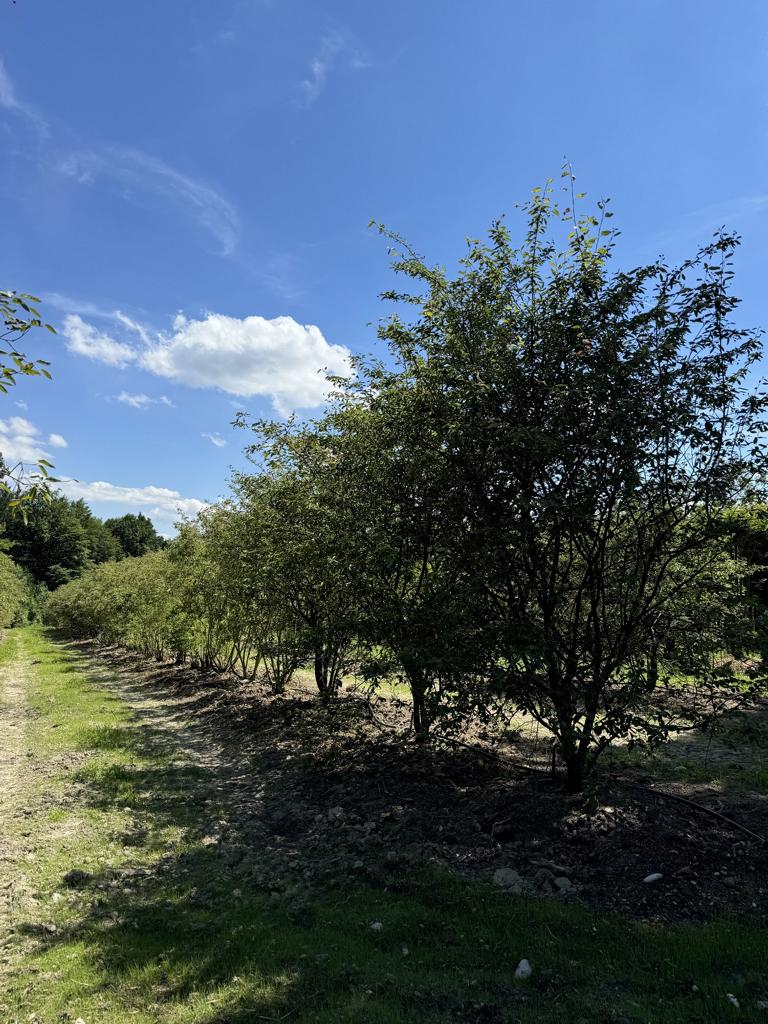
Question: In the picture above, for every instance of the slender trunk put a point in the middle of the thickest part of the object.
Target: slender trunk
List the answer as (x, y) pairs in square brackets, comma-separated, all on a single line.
[(421, 720), (321, 674), (574, 772)]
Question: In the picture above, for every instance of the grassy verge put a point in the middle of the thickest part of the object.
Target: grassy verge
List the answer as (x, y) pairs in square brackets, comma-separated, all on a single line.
[(165, 930)]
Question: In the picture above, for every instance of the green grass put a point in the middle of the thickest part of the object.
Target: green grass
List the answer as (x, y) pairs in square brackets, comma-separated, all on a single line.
[(190, 941)]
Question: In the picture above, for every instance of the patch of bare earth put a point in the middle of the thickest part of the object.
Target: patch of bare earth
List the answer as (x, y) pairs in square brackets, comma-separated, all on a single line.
[(16, 770), (317, 796)]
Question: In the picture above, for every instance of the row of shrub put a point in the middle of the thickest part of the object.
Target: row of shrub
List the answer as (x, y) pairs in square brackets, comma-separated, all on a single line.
[(18, 594), (547, 499)]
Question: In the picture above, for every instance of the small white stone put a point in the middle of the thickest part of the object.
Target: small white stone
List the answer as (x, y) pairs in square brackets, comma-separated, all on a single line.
[(523, 970), (57, 897), (506, 877), (732, 999), (655, 877), (376, 926)]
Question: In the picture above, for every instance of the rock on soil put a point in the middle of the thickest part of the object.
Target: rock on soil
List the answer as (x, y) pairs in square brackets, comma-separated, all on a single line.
[(523, 970)]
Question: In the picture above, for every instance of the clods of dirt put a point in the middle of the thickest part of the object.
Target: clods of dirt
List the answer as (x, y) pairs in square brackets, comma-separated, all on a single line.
[(317, 795)]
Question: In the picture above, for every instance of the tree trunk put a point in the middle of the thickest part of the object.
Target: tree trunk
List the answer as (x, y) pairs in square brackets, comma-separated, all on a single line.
[(421, 720), (575, 774), (321, 675)]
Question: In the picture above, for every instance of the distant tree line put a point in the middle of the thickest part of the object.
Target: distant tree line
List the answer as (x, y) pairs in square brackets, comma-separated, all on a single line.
[(548, 500), (57, 539)]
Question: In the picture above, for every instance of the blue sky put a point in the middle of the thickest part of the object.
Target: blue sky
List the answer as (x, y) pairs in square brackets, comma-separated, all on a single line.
[(189, 185)]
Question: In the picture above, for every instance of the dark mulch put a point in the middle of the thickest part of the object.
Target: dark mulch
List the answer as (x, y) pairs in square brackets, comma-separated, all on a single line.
[(318, 796)]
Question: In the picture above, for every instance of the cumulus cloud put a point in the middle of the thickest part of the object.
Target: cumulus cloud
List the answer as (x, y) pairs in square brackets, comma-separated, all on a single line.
[(161, 502), (215, 439), (134, 171), (21, 441), (86, 340), (278, 359), (141, 401)]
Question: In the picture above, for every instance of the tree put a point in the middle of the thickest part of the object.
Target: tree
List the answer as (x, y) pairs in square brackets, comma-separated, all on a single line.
[(746, 529), (17, 597), (18, 316), (56, 538), (299, 552), (50, 541), (102, 544), (415, 606), (136, 534), (594, 425)]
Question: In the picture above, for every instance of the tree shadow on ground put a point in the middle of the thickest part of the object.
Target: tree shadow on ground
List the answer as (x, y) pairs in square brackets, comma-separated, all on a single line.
[(297, 827), (327, 789)]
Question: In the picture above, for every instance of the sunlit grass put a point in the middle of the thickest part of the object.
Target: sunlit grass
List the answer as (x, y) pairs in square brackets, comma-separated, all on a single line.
[(144, 948)]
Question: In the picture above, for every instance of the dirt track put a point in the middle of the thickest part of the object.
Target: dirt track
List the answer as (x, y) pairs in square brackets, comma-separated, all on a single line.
[(14, 767)]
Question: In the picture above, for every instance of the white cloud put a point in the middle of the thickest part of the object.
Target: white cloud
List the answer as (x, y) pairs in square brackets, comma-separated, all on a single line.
[(320, 65), (330, 49), (67, 304), (215, 439), (76, 306), (10, 101), (133, 170), (22, 404), (141, 401), (162, 502), (132, 325), (280, 359), (86, 340), (7, 92), (20, 441)]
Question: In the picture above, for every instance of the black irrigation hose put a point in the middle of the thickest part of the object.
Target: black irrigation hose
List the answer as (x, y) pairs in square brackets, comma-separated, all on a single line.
[(495, 757), (698, 807), (626, 782), (532, 769)]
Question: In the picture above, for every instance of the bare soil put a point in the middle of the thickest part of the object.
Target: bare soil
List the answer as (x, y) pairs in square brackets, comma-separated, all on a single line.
[(318, 796)]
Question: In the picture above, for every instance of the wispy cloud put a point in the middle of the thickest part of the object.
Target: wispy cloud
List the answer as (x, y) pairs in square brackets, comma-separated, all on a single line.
[(134, 173), (330, 50), (215, 439), (10, 101), (139, 172), (699, 225), (57, 441), (142, 401), (66, 304), (86, 340)]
